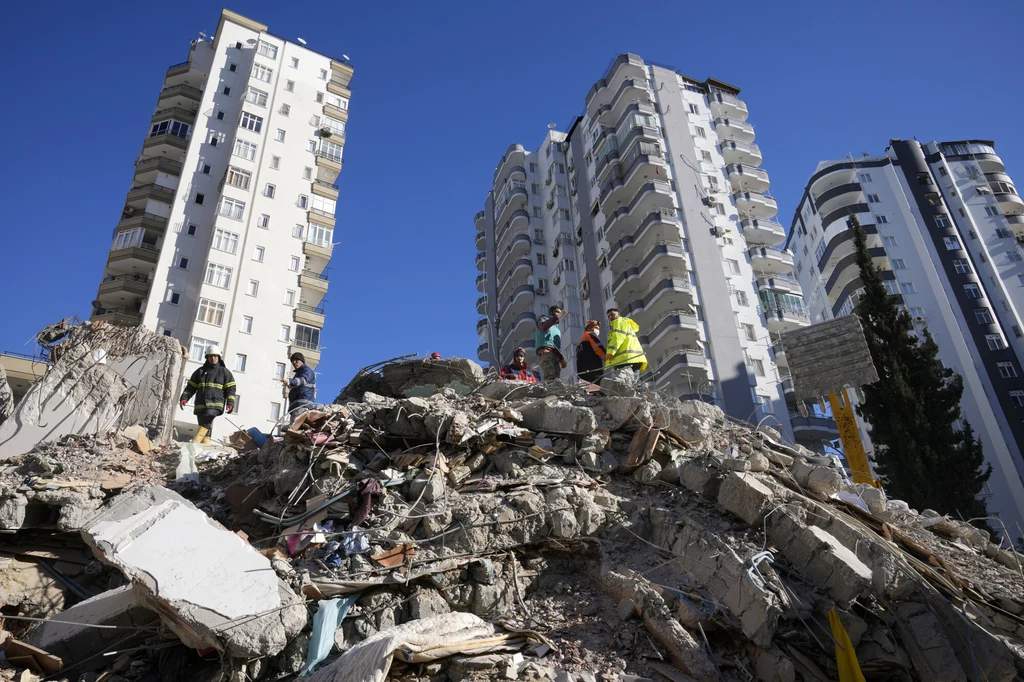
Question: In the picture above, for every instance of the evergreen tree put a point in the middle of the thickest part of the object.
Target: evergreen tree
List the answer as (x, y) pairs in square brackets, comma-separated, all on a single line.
[(913, 407)]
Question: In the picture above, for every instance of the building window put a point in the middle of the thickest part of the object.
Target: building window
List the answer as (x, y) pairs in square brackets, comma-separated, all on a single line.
[(541, 258), (941, 220), (263, 221), (251, 122), (266, 49), (319, 98), (170, 127), (275, 162), (992, 211), (258, 253), (289, 298), (307, 173), (257, 97), (225, 241), (820, 251), (330, 150), (908, 288), (192, 229), (232, 208), (864, 177), (748, 331), (881, 219), (983, 315), (294, 264), (220, 117), (899, 264), (1004, 233), (741, 298), (298, 231), (734, 266), (889, 241), (246, 150), (200, 198), (275, 411), (534, 188), (995, 342), (307, 337), (972, 290), (289, 86), (295, 62), (210, 312), (218, 275), (285, 334), (253, 289), (175, 298), (269, 191), (238, 177), (279, 136), (891, 286), (226, 90), (1006, 370), (183, 263), (337, 101), (303, 201), (951, 243), (323, 205), (240, 362), (1018, 398), (214, 139), (197, 348), (962, 266), (873, 199), (279, 370), (694, 109), (563, 214), (246, 325), (323, 74), (537, 213), (700, 132), (1013, 256)]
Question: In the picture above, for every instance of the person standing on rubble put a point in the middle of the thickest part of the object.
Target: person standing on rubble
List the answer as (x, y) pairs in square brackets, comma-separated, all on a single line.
[(590, 353), (549, 344), (624, 355), (213, 385), (518, 370), (301, 387)]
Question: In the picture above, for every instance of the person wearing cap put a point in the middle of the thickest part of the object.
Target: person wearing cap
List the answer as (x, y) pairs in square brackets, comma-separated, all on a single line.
[(213, 385), (518, 370), (624, 353), (549, 344), (590, 353), (301, 387)]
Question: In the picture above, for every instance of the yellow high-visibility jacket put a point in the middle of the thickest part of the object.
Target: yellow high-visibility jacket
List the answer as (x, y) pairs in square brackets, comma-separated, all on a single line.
[(623, 346)]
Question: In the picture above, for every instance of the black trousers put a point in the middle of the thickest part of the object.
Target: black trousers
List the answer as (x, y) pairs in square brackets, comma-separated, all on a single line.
[(205, 419)]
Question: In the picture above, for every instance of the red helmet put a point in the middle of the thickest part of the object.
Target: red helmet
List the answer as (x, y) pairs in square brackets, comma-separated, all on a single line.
[(435, 356)]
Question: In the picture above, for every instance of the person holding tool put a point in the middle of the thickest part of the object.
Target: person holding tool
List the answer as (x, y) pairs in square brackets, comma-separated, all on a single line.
[(549, 344), (518, 370), (301, 387), (590, 353), (213, 385)]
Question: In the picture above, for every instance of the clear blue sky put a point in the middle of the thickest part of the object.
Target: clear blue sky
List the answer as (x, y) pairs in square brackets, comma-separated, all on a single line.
[(440, 90)]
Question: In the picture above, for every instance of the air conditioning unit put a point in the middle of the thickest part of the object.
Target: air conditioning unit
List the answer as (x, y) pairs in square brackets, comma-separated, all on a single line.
[(538, 239), (711, 200), (585, 295), (541, 290), (919, 318), (551, 204), (579, 241), (717, 231), (573, 190), (557, 279)]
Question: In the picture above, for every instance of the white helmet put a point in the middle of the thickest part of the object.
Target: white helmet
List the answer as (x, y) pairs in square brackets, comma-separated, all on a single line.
[(213, 350)]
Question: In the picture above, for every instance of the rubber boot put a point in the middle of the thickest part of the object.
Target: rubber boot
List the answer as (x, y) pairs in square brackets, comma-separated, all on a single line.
[(206, 441), (200, 435)]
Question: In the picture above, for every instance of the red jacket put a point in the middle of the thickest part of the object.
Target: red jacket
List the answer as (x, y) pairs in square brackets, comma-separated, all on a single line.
[(514, 372)]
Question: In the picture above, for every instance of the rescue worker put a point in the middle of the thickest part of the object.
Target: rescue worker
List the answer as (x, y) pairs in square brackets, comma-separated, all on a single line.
[(624, 354), (590, 353), (301, 387), (549, 343), (518, 370), (435, 355), (214, 388)]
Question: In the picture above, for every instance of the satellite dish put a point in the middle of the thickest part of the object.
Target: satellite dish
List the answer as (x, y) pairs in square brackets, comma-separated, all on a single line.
[(345, 57), (301, 41), (552, 125)]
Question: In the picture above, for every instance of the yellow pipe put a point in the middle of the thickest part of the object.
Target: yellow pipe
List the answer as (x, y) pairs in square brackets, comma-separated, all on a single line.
[(853, 447)]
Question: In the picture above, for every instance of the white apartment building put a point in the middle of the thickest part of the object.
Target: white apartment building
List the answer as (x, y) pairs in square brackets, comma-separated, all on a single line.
[(228, 227), (663, 213), (943, 221)]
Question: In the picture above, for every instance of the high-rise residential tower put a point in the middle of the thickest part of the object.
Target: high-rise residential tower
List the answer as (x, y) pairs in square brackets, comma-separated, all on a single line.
[(227, 229), (652, 202), (943, 222)]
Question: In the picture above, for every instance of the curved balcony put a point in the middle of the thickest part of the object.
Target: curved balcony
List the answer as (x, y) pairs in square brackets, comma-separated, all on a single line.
[(631, 91), (671, 330), (768, 232), (841, 213), (654, 196), (511, 172), (481, 282), (521, 246), (481, 261), (483, 352), (845, 277), (518, 223), (124, 317), (770, 261), (140, 257), (520, 328), (658, 227), (781, 319), (517, 302), (724, 105), (166, 144), (481, 241), (520, 269), (664, 260), (481, 305), (741, 152), (639, 139), (664, 296), (140, 195), (732, 129), (785, 283), (149, 221), (481, 326), (123, 290), (683, 372), (756, 205), (479, 220), (601, 93), (747, 178), (515, 199), (841, 246), (1009, 202), (779, 352), (514, 156), (148, 170), (811, 430), (642, 167), (182, 96)]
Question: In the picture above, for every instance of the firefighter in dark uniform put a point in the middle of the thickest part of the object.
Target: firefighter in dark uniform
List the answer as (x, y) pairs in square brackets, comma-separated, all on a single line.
[(214, 388)]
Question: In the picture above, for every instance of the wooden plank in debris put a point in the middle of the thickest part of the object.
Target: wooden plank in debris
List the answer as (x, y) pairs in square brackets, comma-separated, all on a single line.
[(395, 557), (637, 445), (27, 656)]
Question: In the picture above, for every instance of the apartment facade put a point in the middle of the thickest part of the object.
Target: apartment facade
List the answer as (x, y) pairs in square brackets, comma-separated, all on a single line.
[(943, 222), (228, 225), (663, 213)]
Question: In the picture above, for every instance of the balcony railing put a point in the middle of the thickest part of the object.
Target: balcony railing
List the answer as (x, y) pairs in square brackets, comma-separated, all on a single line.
[(320, 211), (117, 311), (330, 156), (319, 310), (316, 275), (322, 242), (306, 345), (133, 278)]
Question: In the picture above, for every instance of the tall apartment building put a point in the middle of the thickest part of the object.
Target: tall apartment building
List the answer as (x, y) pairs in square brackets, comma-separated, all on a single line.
[(943, 222), (652, 202), (227, 229)]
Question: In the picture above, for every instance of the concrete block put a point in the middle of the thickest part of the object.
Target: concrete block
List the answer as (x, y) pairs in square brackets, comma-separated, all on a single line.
[(210, 587), (648, 473), (699, 408), (559, 417), (427, 602), (425, 377), (701, 478), (743, 495), (758, 462), (824, 480), (848, 577), (514, 390), (930, 651), (620, 409)]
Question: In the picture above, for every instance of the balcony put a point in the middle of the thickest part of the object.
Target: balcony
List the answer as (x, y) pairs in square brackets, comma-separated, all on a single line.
[(520, 329), (328, 166), (318, 254), (117, 290), (148, 221), (732, 129), (309, 315), (164, 145), (646, 163), (518, 223), (625, 66), (520, 246), (781, 319), (339, 87), (1009, 202), (481, 305), (671, 294), (630, 92), (481, 241), (724, 105), (148, 170), (140, 195), (325, 189), (768, 232), (481, 282), (312, 287), (673, 329), (520, 269), (748, 178), (124, 317), (785, 283), (320, 217), (658, 227), (515, 199), (479, 220), (639, 139), (178, 69), (481, 261), (481, 326), (652, 197), (310, 351), (756, 205), (683, 372), (335, 112), (809, 431), (182, 114), (770, 261), (181, 96), (664, 260), (519, 301), (741, 152), (142, 256), (779, 351), (482, 352), (515, 155)]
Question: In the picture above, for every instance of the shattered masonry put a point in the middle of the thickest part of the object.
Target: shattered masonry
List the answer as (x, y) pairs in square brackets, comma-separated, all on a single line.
[(436, 525)]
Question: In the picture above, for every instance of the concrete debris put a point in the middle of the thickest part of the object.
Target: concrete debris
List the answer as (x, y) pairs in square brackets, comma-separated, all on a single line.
[(487, 530), (6, 397)]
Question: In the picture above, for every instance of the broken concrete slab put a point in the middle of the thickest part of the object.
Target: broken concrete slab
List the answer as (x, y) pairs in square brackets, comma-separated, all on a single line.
[(745, 496), (425, 377), (104, 376), (513, 390), (6, 397), (209, 586), (559, 416)]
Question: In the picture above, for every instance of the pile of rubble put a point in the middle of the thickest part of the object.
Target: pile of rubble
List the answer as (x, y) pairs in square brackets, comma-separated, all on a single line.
[(434, 524)]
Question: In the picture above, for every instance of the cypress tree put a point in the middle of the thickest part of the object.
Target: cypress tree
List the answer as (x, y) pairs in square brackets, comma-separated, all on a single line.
[(913, 408)]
